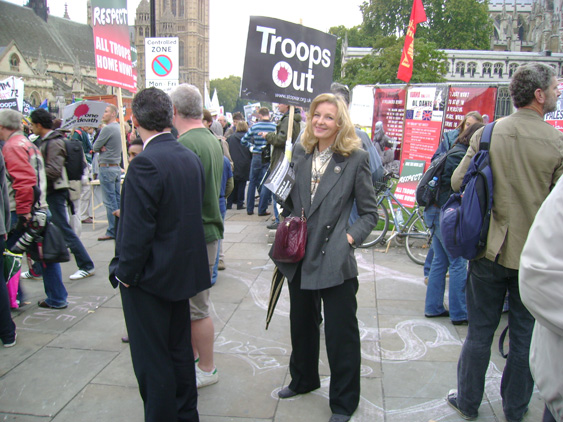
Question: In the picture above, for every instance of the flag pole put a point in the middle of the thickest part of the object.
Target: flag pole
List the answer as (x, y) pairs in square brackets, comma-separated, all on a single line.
[(122, 129)]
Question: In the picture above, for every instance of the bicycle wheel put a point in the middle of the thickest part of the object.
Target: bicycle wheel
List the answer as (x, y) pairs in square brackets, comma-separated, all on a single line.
[(417, 241), (377, 236)]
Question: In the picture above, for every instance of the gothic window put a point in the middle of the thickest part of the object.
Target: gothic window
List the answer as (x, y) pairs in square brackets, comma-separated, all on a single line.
[(487, 67), (173, 4), (498, 67), (14, 63), (447, 67), (460, 68), (147, 32), (181, 53), (511, 69), (471, 68), (504, 102), (181, 8), (201, 10), (141, 31)]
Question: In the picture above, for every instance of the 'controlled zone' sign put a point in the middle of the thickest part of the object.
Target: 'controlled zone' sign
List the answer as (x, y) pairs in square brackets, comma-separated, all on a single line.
[(162, 63)]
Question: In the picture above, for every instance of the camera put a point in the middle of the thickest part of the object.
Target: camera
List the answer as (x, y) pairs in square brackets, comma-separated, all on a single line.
[(34, 229)]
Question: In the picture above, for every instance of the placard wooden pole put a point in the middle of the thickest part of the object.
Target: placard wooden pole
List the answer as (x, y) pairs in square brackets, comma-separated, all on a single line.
[(122, 129), (288, 142)]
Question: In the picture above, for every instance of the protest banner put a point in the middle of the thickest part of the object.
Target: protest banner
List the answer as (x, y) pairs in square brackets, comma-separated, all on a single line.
[(423, 122), (389, 108), (286, 63), (361, 106), (83, 113), (11, 89), (112, 47), (463, 99), (411, 173), (555, 118)]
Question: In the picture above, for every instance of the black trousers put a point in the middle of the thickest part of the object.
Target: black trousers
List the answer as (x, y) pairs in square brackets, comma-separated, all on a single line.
[(342, 342), (237, 195), (161, 351)]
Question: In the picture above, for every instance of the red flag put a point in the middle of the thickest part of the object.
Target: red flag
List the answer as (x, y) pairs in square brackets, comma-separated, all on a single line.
[(405, 66)]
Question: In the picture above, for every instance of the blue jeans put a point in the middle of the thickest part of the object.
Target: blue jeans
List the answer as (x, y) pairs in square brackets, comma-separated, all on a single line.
[(486, 289), (429, 218), (442, 260), (257, 172), (57, 201), (7, 326), (52, 276), (216, 266), (110, 181)]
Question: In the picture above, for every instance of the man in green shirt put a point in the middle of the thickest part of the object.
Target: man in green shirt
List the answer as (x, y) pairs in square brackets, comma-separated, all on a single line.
[(188, 113)]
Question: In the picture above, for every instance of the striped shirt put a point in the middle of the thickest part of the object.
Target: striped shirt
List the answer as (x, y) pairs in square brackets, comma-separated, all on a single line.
[(252, 140)]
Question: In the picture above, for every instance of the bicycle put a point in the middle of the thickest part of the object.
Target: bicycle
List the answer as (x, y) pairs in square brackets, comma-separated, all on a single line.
[(414, 232)]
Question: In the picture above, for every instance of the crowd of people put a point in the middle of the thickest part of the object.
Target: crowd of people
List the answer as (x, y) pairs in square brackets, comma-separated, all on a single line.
[(168, 237)]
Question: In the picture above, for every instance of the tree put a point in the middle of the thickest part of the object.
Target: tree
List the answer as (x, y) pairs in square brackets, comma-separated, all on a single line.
[(458, 24), (452, 24), (357, 37), (228, 90), (381, 66)]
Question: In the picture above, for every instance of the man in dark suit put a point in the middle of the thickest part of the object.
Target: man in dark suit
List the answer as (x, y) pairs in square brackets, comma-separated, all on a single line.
[(161, 261)]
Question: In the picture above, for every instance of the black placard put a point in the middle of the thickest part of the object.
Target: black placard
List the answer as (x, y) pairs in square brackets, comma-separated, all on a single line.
[(286, 63)]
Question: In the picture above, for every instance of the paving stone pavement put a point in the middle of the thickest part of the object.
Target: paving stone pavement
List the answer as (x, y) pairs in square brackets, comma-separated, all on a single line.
[(70, 365)]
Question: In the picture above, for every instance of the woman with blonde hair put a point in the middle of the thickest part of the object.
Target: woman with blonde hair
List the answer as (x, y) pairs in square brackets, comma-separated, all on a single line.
[(331, 171)]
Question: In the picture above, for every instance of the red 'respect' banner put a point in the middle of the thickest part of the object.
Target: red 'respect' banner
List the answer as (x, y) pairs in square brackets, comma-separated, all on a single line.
[(462, 100), (111, 44)]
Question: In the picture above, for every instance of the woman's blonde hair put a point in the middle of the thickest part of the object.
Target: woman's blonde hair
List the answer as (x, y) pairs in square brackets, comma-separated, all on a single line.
[(475, 114), (242, 126), (346, 140)]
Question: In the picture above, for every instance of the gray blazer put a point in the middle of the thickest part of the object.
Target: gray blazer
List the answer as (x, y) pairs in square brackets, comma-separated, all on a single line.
[(329, 258)]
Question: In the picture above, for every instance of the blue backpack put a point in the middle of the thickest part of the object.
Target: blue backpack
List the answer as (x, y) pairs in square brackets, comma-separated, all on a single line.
[(464, 219)]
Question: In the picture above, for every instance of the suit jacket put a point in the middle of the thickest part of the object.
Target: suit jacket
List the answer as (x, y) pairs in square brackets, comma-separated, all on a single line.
[(527, 160), (329, 258), (160, 245)]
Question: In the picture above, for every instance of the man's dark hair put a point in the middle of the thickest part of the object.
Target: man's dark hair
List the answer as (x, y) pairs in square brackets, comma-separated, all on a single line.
[(527, 78), (207, 116), (42, 117), (341, 91), (136, 141), (238, 116), (152, 108), (264, 112)]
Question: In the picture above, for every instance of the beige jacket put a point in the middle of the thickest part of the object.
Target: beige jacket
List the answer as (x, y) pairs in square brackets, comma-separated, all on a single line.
[(527, 160), (541, 290)]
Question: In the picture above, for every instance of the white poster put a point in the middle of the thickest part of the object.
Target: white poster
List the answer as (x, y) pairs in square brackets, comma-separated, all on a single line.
[(83, 113)]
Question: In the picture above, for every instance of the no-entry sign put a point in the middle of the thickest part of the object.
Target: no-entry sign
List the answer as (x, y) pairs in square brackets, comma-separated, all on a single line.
[(162, 63)]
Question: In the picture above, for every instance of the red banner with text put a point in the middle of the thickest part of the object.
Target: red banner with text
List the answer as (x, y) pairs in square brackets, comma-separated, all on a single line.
[(389, 108), (462, 100), (111, 44), (423, 122)]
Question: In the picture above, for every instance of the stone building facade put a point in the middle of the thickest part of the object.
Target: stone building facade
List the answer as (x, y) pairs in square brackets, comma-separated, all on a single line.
[(187, 20), (54, 56)]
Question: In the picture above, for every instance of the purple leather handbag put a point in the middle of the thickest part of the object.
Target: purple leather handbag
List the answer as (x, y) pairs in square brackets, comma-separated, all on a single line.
[(291, 239)]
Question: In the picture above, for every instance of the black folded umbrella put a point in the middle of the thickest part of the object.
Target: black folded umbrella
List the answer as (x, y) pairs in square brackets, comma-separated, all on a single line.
[(277, 284)]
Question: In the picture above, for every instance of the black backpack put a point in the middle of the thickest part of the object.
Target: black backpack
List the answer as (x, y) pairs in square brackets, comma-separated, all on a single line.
[(74, 163), (427, 190)]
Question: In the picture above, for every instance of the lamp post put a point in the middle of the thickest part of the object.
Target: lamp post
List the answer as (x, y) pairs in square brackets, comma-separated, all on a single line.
[(153, 18)]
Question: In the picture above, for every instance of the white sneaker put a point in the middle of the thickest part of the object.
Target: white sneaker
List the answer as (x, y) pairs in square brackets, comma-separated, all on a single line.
[(13, 343), (28, 276), (80, 274), (203, 379)]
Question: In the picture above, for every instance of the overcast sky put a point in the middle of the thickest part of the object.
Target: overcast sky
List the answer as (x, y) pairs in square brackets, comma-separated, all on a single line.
[(229, 23)]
